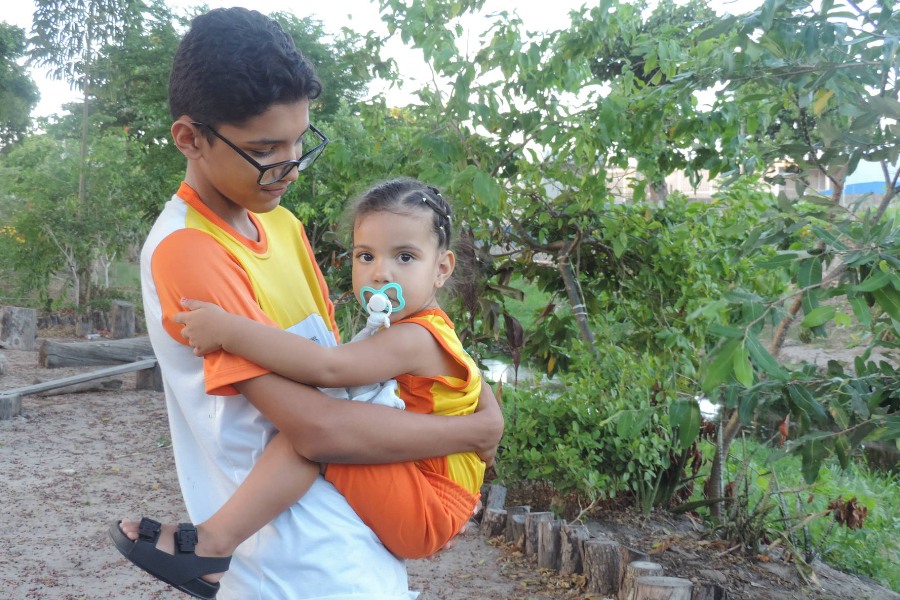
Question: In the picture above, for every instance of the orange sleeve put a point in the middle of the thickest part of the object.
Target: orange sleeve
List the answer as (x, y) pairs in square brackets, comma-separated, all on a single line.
[(191, 264)]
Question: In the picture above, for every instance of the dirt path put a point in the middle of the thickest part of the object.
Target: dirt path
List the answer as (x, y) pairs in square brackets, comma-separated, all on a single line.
[(73, 463)]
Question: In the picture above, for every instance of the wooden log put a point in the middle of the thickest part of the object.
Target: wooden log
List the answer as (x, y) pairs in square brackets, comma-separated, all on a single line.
[(74, 379), (709, 591), (103, 385), (532, 522), (4, 364), (122, 326), (10, 406), (651, 587), (633, 570), (515, 525), (571, 542), (18, 328), (80, 354), (493, 522), (603, 565), (549, 543)]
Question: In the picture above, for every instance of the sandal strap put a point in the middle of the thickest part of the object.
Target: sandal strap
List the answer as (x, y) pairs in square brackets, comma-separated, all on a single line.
[(148, 530)]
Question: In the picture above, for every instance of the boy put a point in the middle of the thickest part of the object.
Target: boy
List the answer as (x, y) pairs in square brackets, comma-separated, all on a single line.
[(239, 94)]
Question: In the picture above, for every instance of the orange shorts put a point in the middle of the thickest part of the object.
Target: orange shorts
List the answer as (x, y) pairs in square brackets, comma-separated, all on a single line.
[(413, 507)]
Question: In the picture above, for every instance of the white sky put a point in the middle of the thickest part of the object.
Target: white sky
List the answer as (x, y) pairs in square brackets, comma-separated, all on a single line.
[(359, 15)]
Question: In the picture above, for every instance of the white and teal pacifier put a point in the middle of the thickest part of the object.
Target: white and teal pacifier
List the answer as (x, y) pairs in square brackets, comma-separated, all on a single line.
[(384, 305)]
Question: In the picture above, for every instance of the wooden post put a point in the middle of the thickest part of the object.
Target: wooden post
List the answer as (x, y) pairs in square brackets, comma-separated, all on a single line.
[(122, 326), (709, 591), (602, 565), (532, 522), (18, 328), (149, 379), (571, 542), (4, 364), (635, 569), (515, 525), (493, 522), (549, 543), (10, 406), (662, 588)]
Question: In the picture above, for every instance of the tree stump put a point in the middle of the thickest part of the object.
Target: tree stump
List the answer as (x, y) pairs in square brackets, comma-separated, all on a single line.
[(79, 354), (149, 379), (122, 326), (571, 542), (515, 525), (603, 566), (633, 570), (10, 406), (662, 588), (4, 364), (494, 496), (709, 591), (549, 544), (532, 522), (18, 328), (493, 522)]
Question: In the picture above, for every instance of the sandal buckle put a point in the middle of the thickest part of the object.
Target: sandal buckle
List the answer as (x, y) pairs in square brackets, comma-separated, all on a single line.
[(148, 529), (186, 537)]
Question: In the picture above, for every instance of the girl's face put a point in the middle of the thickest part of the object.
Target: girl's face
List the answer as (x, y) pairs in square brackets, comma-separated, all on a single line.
[(403, 249)]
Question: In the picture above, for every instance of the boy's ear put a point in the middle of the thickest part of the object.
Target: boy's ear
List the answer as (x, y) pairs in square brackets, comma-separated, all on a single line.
[(186, 137), (445, 268)]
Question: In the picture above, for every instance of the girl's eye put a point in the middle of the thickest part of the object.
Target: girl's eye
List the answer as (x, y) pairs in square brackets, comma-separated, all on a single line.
[(406, 258), (364, 257)]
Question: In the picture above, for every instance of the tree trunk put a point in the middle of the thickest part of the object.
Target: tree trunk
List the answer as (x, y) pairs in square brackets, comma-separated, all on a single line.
[(79, 354), (573, 291), (709, 591), (662, 588)]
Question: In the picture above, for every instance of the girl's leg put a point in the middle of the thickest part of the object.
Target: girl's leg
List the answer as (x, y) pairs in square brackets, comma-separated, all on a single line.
[(278, 479)]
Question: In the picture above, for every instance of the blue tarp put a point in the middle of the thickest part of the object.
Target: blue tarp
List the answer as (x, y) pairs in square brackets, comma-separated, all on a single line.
[(858, 189)]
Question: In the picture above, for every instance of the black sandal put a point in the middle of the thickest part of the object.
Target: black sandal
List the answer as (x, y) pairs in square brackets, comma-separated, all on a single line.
[(182, 570)]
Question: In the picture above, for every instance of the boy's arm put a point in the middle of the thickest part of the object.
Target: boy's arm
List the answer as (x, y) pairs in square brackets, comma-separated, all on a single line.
[(401, 349), (323, 429)]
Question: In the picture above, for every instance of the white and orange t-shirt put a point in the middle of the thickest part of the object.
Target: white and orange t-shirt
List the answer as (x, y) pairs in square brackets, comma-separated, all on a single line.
[(319, 548)]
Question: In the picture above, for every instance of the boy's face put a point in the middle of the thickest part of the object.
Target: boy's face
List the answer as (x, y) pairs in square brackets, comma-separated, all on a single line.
[(226, 181)]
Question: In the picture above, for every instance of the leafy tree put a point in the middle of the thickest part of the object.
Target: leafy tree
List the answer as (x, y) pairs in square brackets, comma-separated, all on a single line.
[(18, 93)]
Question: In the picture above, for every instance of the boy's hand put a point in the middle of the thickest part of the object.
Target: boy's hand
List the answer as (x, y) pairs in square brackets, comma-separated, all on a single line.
[(204, 325), (488, 409)]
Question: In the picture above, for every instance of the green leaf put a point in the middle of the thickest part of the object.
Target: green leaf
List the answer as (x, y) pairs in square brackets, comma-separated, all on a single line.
[(889, 299), (877, 279), (743, 370), (684, 416), (860, 309), (805, 402), (487, 192), (721, 367), (813, 452), (818, 316), (763, 360)]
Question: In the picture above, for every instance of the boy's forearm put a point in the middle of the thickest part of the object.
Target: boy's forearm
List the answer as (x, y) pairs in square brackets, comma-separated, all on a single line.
[(327, 430)]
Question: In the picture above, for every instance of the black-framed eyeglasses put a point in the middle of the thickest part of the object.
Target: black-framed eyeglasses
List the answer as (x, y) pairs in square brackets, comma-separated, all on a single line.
[(269, 174)]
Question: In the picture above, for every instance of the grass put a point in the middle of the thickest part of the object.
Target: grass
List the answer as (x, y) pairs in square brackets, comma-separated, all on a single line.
[(873, 550)]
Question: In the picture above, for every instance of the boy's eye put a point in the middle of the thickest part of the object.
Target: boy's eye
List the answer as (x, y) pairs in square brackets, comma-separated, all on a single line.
[(262, 154)]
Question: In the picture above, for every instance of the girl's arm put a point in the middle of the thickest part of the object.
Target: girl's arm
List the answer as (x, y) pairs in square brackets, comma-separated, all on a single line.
[(400, 349)]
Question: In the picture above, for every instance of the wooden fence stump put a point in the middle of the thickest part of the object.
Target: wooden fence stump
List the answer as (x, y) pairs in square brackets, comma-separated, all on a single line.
[(662, 588), (122, 326), (549, 543), (571, 542), (10, 406), (18, 328), (635, 569), (709, 591), (532, 522), (149, 379), (4, 364), (515, 525), (603, 565), (493, 522)]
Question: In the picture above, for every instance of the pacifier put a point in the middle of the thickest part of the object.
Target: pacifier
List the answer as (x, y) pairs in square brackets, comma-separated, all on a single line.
[(384, 303)]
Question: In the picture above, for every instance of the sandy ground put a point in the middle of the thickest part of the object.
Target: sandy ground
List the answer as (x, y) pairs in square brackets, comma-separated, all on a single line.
[(72, 463)]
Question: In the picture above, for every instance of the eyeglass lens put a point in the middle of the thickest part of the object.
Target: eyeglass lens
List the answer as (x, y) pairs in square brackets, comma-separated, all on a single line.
[(279, 172)]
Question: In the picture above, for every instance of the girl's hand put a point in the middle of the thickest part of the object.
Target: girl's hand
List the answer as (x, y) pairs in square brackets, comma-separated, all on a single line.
[(204, 325)]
